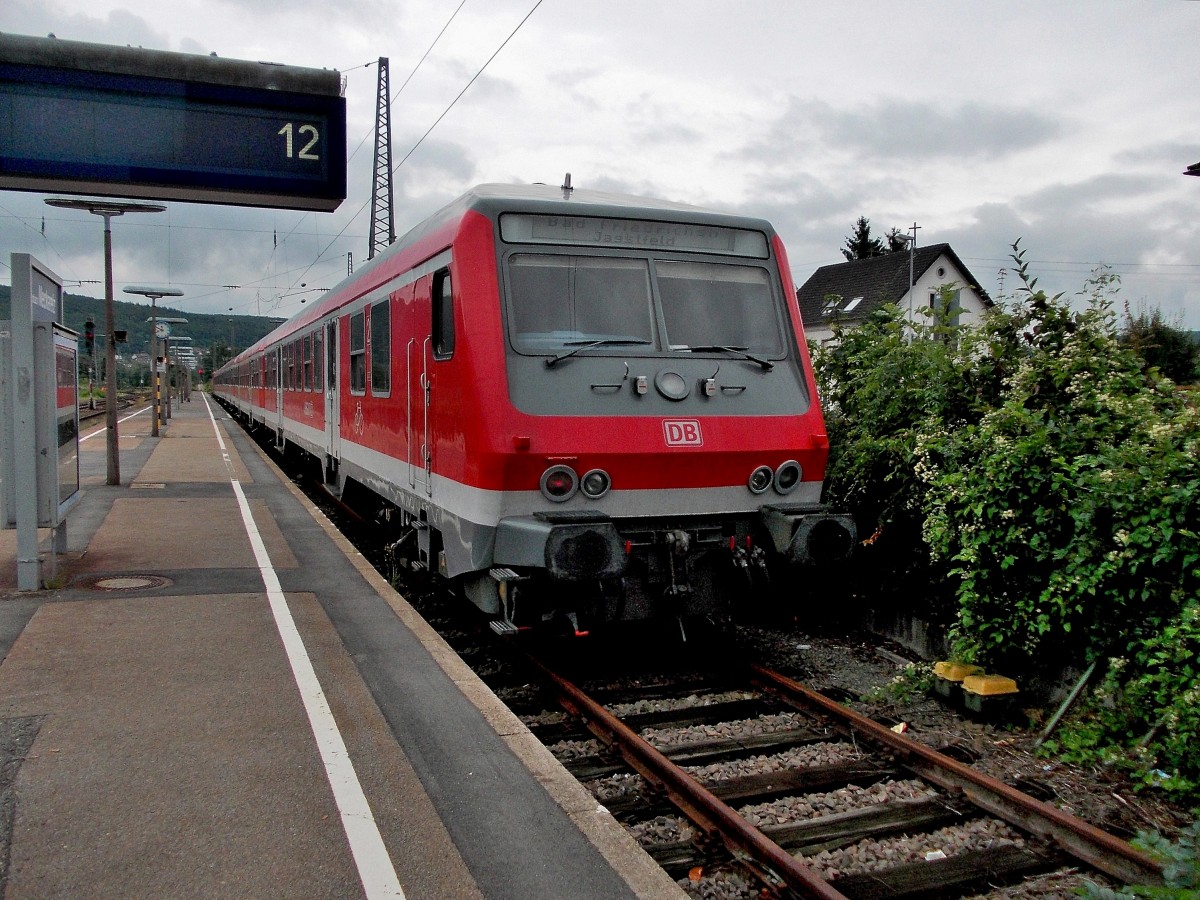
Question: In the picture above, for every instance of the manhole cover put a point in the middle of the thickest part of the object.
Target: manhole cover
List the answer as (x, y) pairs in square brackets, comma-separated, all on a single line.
[(129, 583)]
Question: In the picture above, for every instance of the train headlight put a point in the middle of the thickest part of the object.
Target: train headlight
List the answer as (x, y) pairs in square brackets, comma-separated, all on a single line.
[(559, 483), (760, 479), (671, 385), (595, 484), (787, 476)]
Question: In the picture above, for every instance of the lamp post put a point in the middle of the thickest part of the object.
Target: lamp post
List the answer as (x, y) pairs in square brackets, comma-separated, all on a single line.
[(164, 324), (911, 241), (108, 209), (154, 293)]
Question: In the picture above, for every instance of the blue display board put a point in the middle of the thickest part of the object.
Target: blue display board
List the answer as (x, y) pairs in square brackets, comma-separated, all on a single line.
[(118, 121)]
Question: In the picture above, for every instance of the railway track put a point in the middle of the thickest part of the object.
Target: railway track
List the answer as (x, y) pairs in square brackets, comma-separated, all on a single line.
[(845, 806), (124, 401), (828, 803)]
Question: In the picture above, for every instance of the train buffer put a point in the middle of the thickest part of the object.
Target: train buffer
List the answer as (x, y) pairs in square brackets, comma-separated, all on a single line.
[(214, 683)]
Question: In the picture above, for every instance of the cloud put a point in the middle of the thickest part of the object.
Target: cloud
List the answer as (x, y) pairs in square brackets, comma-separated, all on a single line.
[(119, 27), (904, 130)]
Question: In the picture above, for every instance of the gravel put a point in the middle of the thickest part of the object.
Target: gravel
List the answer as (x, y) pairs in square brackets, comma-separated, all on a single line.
[(673, 737), (874, 855), (813, 806)]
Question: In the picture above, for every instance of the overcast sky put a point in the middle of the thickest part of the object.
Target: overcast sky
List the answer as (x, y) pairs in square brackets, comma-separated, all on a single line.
[(1065, 124)]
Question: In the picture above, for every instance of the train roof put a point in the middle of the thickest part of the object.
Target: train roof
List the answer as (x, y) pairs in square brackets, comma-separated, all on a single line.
[(495, 198)]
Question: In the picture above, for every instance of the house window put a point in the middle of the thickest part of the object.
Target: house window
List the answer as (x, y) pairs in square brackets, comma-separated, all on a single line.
[(381, 348), (358, 354), (946, 305)]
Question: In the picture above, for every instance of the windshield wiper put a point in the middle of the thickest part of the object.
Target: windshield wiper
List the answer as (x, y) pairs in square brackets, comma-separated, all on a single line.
[(740, 351), (588, 345)]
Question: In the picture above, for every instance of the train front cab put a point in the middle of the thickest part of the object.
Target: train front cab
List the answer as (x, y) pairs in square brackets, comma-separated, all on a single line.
[(658, 397)]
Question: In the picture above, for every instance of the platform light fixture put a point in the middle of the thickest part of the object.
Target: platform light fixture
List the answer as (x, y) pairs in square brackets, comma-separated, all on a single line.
[(108, 209), (155, 294)]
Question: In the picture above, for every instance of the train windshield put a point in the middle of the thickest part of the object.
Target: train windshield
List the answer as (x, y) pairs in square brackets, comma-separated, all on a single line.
[(708, 304), (560, 300), (557, 301)]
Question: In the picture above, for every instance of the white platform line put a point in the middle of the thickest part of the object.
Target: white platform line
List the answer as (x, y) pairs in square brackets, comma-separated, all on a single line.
[(104, 428), (366, 844)]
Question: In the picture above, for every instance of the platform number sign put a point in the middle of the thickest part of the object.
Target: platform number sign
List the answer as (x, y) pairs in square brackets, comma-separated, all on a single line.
[(309, 135)]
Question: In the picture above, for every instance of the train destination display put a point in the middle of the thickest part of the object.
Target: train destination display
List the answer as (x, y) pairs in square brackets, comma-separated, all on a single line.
[(121, 121)]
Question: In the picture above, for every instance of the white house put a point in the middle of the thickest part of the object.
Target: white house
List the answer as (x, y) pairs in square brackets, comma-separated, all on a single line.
[(849, 292)]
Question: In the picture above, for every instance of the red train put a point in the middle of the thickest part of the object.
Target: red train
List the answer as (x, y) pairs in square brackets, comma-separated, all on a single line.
[(580, 406)]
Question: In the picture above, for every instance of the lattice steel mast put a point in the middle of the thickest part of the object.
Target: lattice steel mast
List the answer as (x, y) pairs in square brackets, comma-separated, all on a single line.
[(383, 221)]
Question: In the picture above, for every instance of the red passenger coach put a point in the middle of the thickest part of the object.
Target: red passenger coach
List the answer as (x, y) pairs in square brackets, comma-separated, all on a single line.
[(580, 406)]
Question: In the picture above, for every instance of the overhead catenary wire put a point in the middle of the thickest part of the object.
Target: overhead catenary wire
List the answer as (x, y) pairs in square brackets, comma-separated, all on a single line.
[(438, 120), (428, 131)]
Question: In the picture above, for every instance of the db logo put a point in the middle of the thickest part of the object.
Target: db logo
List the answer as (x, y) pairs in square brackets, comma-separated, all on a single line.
[(682, 432)]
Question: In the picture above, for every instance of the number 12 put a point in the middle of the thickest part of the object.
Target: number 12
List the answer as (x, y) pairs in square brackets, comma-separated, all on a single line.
[(305, 151)]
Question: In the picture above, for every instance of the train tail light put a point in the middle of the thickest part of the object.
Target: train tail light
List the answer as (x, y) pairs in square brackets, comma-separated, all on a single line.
[(559, 483)]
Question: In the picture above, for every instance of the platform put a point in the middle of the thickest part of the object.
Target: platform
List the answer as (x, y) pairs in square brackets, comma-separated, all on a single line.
[(220, 698)]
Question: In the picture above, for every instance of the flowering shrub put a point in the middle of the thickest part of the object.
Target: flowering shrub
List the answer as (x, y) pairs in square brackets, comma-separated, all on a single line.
[(879, 386), (1046, 490)]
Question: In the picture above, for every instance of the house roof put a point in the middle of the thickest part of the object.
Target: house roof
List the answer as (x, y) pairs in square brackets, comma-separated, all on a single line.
[(877, 280)]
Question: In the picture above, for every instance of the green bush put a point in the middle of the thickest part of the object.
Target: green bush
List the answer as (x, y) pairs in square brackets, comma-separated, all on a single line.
[(1042, 486), (1181, 868), (880, 384)]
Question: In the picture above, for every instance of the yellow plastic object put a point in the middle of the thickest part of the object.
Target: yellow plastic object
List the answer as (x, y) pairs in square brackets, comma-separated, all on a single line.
[(955, 671), (989, 685)]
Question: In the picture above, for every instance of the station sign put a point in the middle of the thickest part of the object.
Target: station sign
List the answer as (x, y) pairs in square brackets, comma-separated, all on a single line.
[(82, 118), (39, 415)]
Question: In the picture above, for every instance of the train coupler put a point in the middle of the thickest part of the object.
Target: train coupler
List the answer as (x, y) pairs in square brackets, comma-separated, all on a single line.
[(758, 560)]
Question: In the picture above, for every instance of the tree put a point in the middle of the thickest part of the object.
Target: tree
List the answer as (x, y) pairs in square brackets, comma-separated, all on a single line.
[(897, 240), (860, 244), (1163, 346)]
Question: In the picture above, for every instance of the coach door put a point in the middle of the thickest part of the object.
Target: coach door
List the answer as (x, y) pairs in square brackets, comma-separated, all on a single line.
[(420, 449), (275, 386), (332, 406)]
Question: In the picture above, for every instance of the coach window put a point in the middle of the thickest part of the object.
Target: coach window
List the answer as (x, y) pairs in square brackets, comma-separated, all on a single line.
[(318, 370), (306, 341), (443, 315), (381, 347), (358, 354), (288, 364)]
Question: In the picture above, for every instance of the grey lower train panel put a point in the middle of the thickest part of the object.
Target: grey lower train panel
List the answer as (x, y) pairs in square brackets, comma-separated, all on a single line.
[(810, 534), (467, 545), (568, 547)]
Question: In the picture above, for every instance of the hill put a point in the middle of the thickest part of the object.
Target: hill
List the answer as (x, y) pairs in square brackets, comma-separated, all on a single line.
[(204, 329)]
